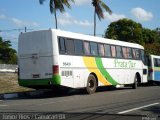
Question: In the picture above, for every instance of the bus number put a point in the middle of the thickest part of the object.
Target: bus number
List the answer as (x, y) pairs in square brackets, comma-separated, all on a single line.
[(66, 64)]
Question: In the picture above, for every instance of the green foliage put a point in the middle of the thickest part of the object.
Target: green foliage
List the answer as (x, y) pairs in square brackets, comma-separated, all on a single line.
[(150, 36), (55, 5), (153, 48), (125, 30), (130, 31), (7, 54), (99, 5)]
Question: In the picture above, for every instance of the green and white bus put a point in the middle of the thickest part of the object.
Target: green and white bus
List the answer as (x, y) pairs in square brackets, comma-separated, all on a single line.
[(49, 58), (154, 68)]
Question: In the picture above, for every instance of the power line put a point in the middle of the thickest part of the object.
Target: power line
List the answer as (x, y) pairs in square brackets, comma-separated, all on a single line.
[(19, 29)]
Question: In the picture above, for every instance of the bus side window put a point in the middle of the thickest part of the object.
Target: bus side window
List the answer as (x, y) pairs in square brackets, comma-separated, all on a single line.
[(78, 47), (155, 62), (113, 51), (129, 52), (137, 53), (124, 51), (143, 57), (94, 48), (86, 48), (69, 46), (62, 47), (107, 50), (119, 51), (101, 49), (158, 61), (134, 53)]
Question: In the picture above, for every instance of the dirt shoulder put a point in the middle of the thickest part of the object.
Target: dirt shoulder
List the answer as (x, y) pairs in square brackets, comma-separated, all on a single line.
[(9, 83)]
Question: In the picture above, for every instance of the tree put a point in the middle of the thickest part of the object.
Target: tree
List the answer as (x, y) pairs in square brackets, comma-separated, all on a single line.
[(152, 48), (98, 10), (157, 30), (7, 54), (150, 36), (125, 30), (57, 5), (130, 31)]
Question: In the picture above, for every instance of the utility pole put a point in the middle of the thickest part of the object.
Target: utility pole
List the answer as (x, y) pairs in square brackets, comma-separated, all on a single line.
[(25, 29)]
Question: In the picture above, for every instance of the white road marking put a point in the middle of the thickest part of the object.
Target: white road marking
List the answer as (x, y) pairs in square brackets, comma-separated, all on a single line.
[(126, 111)]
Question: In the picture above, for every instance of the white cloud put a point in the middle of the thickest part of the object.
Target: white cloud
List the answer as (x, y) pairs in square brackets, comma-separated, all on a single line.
[(67, 19), (141, 14), (21, 23), (18, 22), (2, 16), (82, 2), (113, 17)]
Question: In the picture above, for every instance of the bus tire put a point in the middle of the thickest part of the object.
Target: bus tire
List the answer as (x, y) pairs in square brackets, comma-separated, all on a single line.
[(91, 84), (135, 84)]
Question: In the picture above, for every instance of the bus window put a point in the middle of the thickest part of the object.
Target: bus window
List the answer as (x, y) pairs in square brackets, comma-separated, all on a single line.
[(137, 51), (113, 51), (94, 49), (124, 51), (86, 48), (69, 46), (62, 48), (143, 57), (134, 53), (101, 49), (119, 51), (107, 50), (155, 62), (129, 52), (158, 62), (78, 47)]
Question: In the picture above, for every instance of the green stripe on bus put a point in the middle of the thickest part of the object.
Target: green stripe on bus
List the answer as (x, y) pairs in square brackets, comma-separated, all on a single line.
[(104, 72), (55, 80)]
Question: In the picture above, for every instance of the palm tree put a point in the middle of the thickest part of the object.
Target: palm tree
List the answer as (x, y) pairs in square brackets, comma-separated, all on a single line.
[(57, 5), (99, 5)]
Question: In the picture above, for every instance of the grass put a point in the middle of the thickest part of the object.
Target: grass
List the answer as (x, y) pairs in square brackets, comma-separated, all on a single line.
[(9, 83)]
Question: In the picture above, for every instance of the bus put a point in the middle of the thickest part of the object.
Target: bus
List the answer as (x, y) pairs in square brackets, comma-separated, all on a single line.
[(50, 58), (154, 68)]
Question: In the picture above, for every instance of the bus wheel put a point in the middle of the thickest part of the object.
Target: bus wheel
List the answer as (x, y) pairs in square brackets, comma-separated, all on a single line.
[(135, 84), (91, 84)]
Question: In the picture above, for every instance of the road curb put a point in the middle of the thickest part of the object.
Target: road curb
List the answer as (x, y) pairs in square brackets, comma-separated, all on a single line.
[(22, 94)]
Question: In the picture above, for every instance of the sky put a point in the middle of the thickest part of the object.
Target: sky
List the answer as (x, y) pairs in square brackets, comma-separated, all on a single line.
[(15, 15)]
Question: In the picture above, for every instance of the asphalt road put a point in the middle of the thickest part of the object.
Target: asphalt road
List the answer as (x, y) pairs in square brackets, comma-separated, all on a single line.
[(113, 104)]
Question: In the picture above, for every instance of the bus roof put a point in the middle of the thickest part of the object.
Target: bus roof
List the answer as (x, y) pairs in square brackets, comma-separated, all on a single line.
[(155, 56), (84, 37)]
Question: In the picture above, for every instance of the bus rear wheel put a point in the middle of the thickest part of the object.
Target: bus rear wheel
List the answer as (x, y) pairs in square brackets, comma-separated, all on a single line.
[(135, 84), (91, 84)]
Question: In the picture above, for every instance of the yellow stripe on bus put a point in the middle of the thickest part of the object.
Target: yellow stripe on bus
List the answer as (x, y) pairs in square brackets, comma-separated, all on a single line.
[(156, 68), (92, 67)]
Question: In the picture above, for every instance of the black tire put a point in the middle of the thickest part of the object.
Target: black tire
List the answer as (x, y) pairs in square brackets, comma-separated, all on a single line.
[(135, 84), (91, 84)]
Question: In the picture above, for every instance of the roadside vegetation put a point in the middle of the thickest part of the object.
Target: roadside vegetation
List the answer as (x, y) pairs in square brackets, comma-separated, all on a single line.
[(7, 54), (9, 83)]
